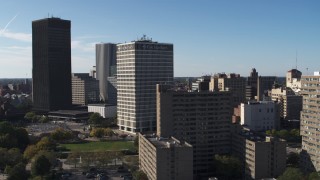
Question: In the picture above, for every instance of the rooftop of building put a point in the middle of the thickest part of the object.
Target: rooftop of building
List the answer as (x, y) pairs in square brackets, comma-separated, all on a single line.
[(69, 112), (52, 18), (102, 105), (258, 102), (255, 136), (171, 142), (294, 70)]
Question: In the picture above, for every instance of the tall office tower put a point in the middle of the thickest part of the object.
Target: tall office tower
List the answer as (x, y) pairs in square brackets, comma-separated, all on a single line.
[(51, 64), (85, 89), (106, 63), (233, 83), (265, 83), (252, 85), (203, 119), (141, 65), (310, 118), (293, 80)]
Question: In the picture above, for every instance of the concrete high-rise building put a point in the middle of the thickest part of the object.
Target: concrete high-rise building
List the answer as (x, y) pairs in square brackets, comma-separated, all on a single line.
[(202, 119), (165, 158), (231, 82), (262, 157), (85, 89), (260, 116), (252, 85), (141, 65), (51, 64), (310, 118), (202, 84), (264, 84), (106, 64), (293, 80), (290, 103), (93, 72)]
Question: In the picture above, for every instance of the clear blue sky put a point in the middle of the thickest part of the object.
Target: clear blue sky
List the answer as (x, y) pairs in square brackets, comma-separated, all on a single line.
[(209, 36)]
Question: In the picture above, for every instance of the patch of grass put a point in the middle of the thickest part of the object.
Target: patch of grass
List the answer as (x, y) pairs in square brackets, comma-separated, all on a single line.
[(100, 146)]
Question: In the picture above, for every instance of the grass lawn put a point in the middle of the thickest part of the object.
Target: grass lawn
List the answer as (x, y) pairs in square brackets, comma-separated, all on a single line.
[(100, 146)]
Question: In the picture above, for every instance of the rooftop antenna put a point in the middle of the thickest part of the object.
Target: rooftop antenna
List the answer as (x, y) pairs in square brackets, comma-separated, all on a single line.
[(307, 71), (297, 59)]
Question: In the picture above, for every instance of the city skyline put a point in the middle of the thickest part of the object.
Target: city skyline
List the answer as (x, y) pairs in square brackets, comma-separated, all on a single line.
[(209, 37)]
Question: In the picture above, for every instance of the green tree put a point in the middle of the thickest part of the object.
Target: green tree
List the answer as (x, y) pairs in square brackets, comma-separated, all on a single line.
[(227, 167), (10, 157), (30, 152), (108, 132), (11, 137), (95, 119), (61, 135), (41, 166), (43, 119), (292, 174), (46, 144), (18, 172), (14, 156), (140, 175), (293, 159), (314, 176), (283, 134), (30, 116), (97, 132)]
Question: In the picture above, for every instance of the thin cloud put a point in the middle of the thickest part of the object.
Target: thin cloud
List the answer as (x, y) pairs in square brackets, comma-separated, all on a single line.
[(80, 45), (16, 36), (93, 37)]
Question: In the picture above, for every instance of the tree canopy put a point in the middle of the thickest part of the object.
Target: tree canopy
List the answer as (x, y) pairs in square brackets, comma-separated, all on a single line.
[(292, 174), (12, 137), (227, 167), (41, 166), (95, 119)]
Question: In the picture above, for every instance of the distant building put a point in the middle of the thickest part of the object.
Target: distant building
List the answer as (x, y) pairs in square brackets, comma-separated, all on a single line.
[(202, 119), (202, 84), (69, 115), (260, 116), (105, 110), (93, 72), (51, 64), (85, 89), (262, 157), (106, 66), (252, 85), (231, 82), (293, 80), (165, 158), (112, 90), (265, 83), (290, 103), (141, 65), (310, 118)]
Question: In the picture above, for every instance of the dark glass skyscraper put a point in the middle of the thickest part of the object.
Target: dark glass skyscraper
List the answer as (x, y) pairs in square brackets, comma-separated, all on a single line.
[(51, 65)]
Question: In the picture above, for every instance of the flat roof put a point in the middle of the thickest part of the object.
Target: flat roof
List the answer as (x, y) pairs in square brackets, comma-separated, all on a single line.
[(69, 112), (167, 142), (102, 105)]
